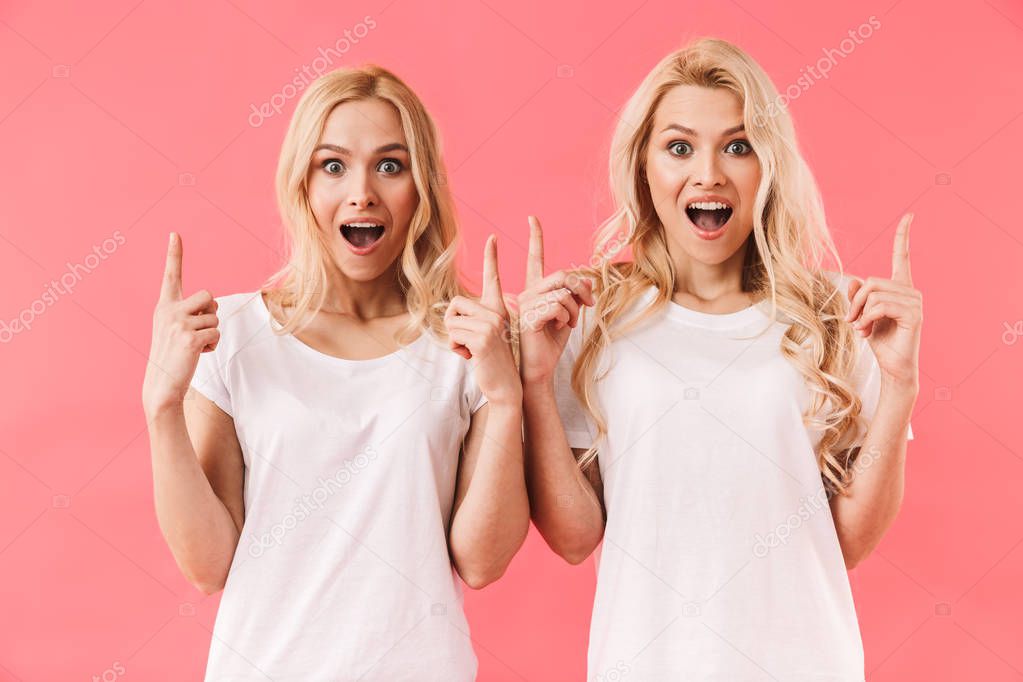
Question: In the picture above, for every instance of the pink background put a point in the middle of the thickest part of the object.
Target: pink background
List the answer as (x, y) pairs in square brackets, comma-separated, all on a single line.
[(131, 118)]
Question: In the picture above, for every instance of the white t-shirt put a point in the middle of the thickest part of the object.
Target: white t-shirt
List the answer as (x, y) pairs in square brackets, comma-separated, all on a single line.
[(342, 571), (720, 559)]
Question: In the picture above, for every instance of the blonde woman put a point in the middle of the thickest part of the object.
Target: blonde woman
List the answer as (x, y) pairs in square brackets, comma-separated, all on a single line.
[(351, 437), (731, 415)]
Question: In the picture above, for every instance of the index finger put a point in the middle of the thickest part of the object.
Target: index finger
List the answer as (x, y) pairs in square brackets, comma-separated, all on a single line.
[(171, 287), (534, 259), (491, 296), (900, 252)]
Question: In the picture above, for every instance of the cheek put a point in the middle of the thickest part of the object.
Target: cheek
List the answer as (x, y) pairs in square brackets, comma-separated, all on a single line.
[(750, 182), (322, 202), (402, 201), (666, 181)]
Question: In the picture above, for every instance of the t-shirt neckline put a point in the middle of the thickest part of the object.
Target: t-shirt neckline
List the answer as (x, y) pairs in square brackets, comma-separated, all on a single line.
[(740, 318), (334, 359)]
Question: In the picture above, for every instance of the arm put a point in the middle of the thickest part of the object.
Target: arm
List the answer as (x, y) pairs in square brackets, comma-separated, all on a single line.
[(491, 512), (871, 502), (197, 487), (566, 501), (889, 313), (197, 461), (490, 516)]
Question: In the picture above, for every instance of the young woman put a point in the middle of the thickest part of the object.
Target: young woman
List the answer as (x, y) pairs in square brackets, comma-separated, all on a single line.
[(332, 458), (730, 417)]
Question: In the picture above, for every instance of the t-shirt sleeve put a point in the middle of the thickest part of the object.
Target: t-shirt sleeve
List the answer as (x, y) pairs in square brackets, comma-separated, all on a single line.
[(580, 429), (210, 376), (474, 397)]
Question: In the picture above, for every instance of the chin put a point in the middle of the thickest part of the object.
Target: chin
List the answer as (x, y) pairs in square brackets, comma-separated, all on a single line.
[(715, 257), (361, 273)]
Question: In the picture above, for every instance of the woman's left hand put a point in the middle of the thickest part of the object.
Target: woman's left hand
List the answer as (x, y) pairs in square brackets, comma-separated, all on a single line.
[(889, 312), (480, 331)]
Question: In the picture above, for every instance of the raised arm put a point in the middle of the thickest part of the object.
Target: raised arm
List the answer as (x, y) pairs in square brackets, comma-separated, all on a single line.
[(889, 312), (566, 502), (491, 510), (197, 460)]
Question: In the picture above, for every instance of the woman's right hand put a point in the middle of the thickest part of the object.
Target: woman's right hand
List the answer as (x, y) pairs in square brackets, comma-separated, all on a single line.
[(182, 329), (548, 310)]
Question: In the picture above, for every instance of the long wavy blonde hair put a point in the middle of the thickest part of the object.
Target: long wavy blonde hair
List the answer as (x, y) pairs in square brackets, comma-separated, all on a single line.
[(789, 248), (427, 275)]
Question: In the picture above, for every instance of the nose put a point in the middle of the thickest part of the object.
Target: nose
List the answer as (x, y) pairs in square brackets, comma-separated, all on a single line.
[(360, 191), (707, 170)]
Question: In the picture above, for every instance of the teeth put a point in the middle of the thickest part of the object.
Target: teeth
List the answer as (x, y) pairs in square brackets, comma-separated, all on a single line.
[(708, 205), (364, 225)]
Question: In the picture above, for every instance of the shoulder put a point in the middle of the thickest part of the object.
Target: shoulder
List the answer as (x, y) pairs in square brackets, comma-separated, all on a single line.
[(237, 303), (626, 309), (240, 314)]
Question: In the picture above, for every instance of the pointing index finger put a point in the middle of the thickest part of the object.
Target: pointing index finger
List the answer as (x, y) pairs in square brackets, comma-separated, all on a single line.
[(900, 252), (171, 288), (534, 259), (491, 296)]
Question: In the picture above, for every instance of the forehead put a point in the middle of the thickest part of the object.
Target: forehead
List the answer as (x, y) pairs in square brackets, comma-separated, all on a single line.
[(363, 124), (706, 110)]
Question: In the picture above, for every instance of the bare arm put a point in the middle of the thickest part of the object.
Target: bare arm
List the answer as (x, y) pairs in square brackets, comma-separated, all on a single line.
[(197, 461), (490, 516), (197, 487), (873, 498), (889, 313), (491, 512), (566, 502)]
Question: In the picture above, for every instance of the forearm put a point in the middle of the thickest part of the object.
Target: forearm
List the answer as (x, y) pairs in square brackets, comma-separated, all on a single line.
[(197, 526), (563, 503), (492, 520), (874, 496)]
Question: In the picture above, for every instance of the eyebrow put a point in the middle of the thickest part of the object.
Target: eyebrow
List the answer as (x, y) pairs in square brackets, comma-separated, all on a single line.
[(690, 131), (393, 147)]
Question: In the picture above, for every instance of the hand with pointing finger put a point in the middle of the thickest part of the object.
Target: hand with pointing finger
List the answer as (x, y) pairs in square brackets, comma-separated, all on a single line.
[(182, 329), (889, 312), (478, 331), (548, 310)]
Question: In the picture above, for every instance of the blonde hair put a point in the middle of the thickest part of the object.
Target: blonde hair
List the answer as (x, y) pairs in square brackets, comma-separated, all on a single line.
[(789, 247), (427, 275)]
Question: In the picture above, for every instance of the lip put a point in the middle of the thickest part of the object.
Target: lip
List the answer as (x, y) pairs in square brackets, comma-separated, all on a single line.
[(708, 235), (709, 197), (362, 219), (704, 234)]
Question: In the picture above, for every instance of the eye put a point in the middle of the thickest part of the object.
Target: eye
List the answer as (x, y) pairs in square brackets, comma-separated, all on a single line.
[(739, 147), (332, 166), (390, 166), (680, 148)]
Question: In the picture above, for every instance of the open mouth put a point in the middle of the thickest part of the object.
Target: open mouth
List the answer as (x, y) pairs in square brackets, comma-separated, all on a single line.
[(709, 215), (362, 235)]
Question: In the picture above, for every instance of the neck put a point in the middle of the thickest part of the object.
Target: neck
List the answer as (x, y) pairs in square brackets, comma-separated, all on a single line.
[(380, 297), (708, 282)]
